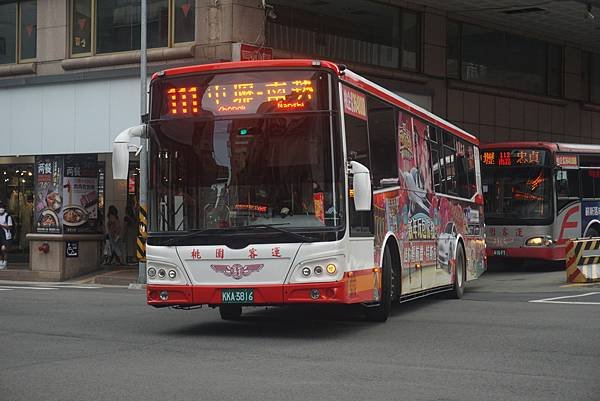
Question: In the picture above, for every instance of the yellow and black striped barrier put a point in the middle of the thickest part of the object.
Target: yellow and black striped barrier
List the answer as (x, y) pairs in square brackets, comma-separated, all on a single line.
[(142, 234), (583, 260)]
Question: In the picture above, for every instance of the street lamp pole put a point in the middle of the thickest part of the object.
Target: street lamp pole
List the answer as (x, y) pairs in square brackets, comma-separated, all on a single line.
[(143, 213)]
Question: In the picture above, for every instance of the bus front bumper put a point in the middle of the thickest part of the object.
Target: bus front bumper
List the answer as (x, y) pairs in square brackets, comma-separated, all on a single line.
[(356, 287)]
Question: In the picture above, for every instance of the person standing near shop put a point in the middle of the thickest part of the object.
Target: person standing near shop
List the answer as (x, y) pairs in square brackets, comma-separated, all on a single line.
[(114, 229), (6, 224)]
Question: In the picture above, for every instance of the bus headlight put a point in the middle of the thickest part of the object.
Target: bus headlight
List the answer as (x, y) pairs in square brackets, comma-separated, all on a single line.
[(331, 269), (151, 272), (539, 241), (172, 274)]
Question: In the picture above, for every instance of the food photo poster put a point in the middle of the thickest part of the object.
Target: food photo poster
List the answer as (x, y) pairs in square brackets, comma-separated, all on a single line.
[(66, 194)]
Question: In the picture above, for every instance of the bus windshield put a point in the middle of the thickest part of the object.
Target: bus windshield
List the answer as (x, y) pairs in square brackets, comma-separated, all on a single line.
[(225, 173), (517, 195)]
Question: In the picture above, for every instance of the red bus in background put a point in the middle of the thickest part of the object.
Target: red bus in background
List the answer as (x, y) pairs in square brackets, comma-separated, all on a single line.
[(538, 195)]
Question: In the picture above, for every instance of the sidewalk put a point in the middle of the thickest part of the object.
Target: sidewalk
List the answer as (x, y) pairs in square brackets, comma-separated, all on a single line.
[(108, 275), (113, 275)]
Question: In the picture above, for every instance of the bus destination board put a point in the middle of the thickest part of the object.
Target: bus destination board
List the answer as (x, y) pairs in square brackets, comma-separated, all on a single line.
[(241, 97), (566, 160), (514, 157)]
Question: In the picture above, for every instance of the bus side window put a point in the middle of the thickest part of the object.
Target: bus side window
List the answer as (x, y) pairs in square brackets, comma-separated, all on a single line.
[(449, 164), (567, 187), (357, 145), (590, 183), (434, 150), (382, 137), (465, 169), (357, 140)]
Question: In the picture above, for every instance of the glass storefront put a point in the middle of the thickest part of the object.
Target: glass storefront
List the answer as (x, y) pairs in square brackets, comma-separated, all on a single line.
[(17, 193)]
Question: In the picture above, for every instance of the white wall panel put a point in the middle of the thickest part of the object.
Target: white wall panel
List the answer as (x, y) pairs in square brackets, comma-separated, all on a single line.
[(123, 114), (5, 124), (74, 117), (91, 117), (58, 130), (26, 126)]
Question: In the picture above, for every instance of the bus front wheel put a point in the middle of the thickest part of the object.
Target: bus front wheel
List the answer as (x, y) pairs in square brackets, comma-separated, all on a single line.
[(381, 311), (230, 312)]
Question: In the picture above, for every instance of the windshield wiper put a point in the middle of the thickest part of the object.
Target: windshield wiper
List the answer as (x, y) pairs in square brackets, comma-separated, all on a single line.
[(210, 231), (275, 228), (194, 233)]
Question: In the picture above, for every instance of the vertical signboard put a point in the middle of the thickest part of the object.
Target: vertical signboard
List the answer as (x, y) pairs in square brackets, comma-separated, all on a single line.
[(80, 194), (48, 194)]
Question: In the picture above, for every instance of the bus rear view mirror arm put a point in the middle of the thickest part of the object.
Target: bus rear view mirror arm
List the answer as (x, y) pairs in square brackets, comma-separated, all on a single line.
[(121, 146), (361, 186)]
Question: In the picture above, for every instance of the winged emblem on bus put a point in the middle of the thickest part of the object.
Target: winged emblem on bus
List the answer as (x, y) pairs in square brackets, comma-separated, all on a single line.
[(237, 271)]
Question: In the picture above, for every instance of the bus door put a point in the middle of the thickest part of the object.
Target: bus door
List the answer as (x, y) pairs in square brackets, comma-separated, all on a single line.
[(415, 174)]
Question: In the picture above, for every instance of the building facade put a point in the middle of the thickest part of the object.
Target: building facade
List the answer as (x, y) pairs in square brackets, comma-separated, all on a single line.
[(69, 77)]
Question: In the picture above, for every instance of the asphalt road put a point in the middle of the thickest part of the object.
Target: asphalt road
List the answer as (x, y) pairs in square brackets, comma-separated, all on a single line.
[(69, 343)]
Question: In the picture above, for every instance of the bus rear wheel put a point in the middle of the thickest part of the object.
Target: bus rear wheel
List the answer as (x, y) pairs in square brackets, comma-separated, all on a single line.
[(458, 287), (381, 311), (230, 312)]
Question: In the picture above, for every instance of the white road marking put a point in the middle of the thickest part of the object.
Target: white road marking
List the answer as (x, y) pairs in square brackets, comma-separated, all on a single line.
[(556, 300), (80, 286), (4, 287)]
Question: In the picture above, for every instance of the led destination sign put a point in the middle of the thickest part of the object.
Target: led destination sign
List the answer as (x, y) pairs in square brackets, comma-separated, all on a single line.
[(514, 157), (241, 97)]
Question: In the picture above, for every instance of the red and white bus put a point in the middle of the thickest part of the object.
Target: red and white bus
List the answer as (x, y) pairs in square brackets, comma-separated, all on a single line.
[(298, 181), (538, 195)]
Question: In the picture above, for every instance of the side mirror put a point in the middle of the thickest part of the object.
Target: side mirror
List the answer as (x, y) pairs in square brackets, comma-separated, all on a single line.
[(362, 186), (120, 156)]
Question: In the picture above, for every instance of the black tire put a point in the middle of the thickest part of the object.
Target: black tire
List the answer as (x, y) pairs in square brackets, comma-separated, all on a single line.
[(593, 232), (458, 287), (381, 311), (230, 312)]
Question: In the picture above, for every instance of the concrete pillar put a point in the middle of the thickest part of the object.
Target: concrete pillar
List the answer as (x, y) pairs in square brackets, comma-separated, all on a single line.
[(53, 29), (219, 23)]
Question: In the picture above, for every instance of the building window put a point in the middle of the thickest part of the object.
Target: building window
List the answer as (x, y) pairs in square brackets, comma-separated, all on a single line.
[(363, 32), (18, 44), (591, 77), (496, 58), (110, 26)]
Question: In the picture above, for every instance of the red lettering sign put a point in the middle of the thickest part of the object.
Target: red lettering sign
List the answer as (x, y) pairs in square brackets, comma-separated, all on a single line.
[(196, 254), (276, 252), (252, 254), (566, 160), (355, 103)]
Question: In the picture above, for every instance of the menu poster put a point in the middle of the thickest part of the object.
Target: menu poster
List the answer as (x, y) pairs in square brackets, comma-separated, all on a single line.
[(48, 194), (80, 194)]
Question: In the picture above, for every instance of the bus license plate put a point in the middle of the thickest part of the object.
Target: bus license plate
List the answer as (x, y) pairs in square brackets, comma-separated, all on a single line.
[(237, 295), (499, 252)]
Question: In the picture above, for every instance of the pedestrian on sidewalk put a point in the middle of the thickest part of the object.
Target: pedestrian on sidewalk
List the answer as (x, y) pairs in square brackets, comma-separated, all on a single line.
[(115, 231), (6, 224)]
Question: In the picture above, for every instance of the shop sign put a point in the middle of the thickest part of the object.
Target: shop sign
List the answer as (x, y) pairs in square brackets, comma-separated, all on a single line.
[(80, 194), (246, 52), (48, 194), (72, 249)]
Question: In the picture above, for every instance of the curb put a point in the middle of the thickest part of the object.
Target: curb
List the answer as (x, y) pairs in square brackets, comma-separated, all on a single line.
[(136, 286)]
